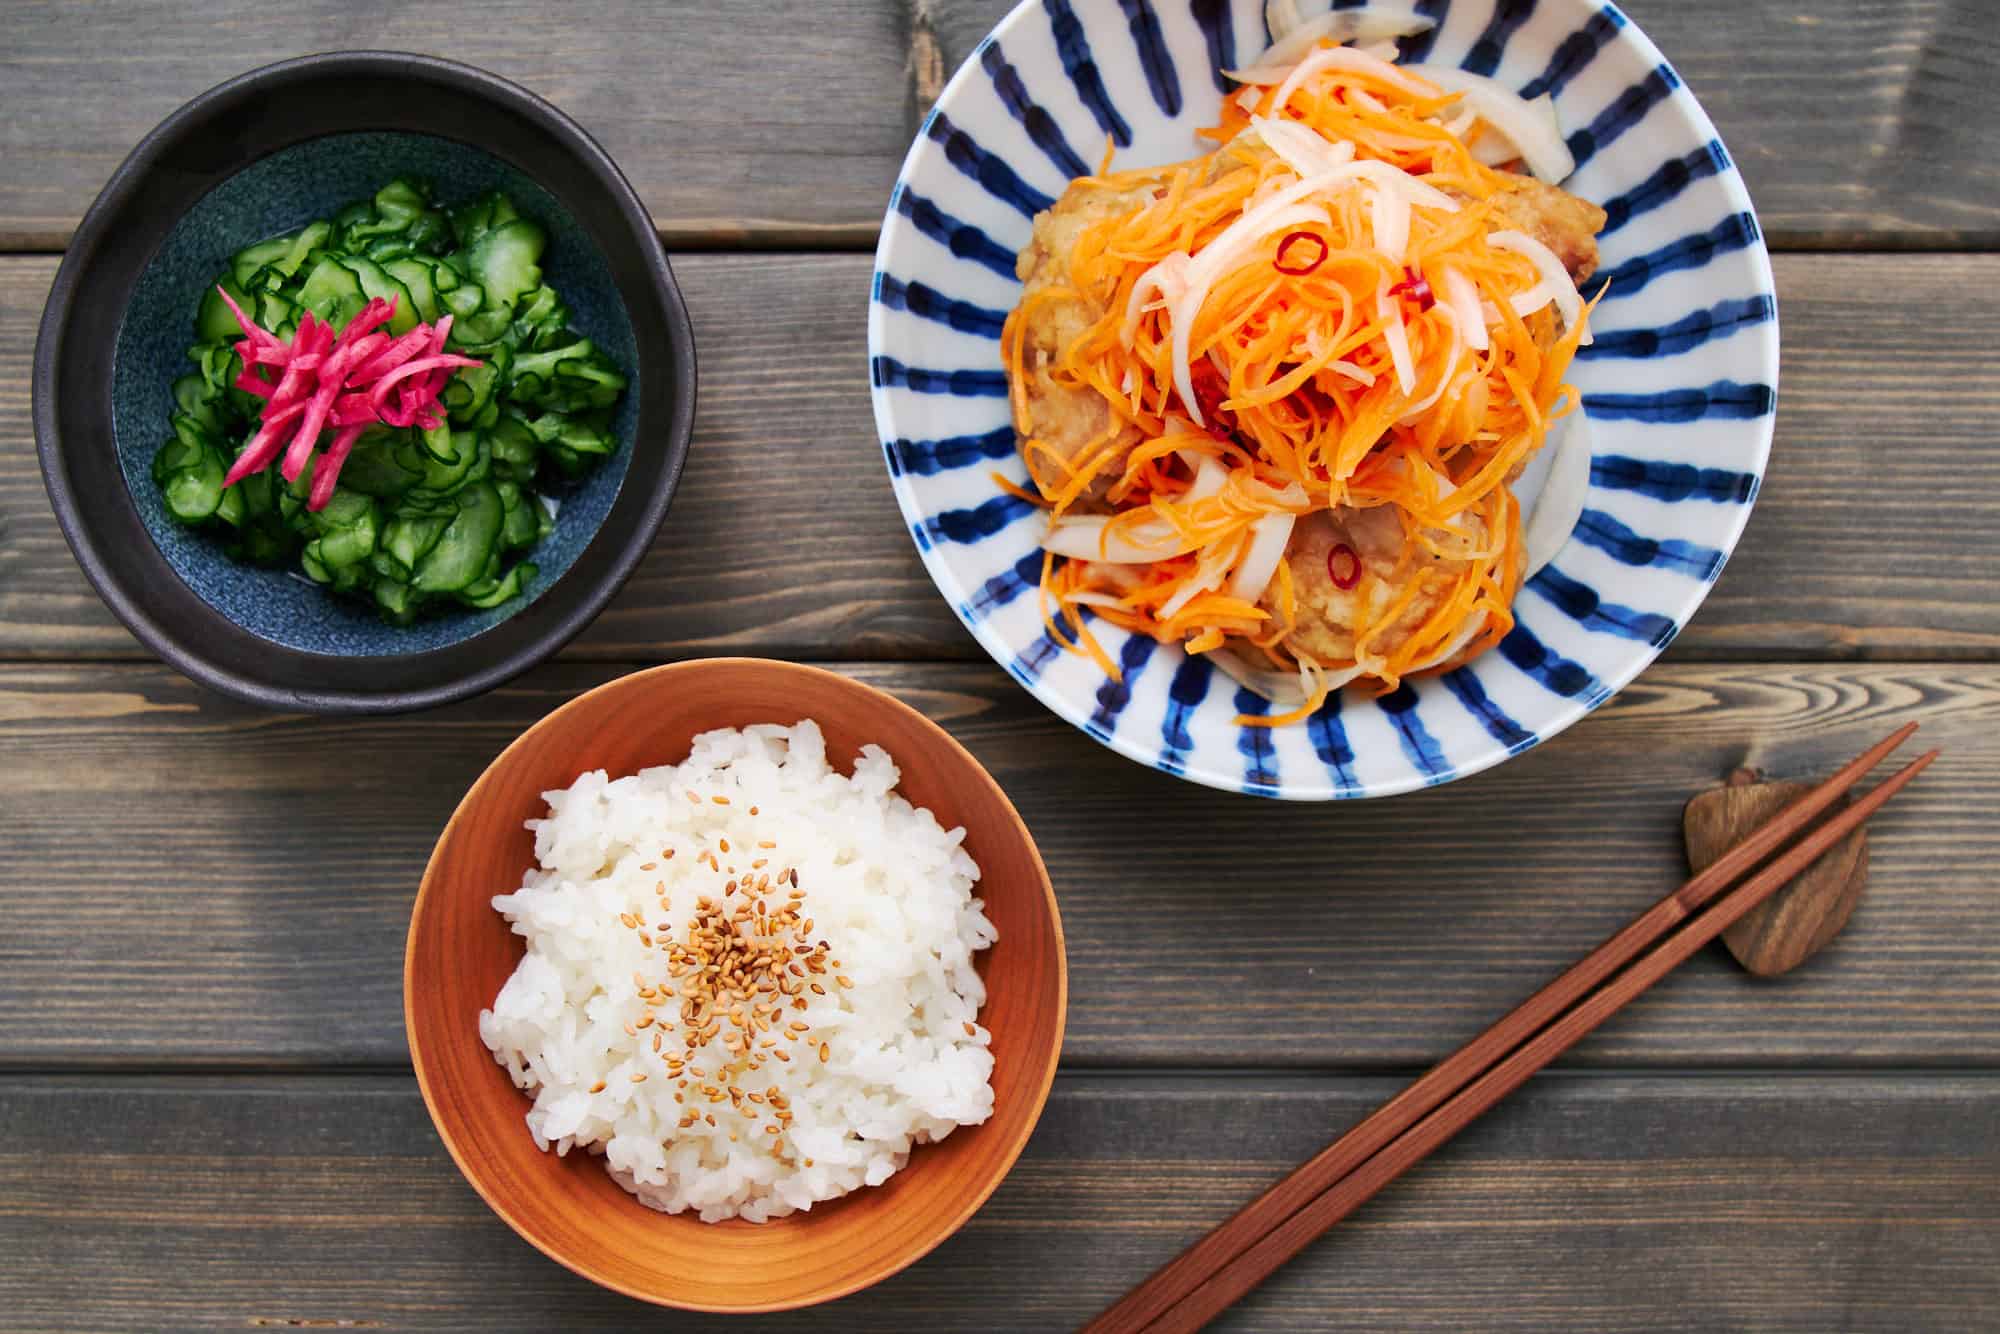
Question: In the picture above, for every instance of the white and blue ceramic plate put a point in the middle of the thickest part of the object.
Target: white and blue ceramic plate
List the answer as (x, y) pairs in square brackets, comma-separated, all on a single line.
[(1679, 386)]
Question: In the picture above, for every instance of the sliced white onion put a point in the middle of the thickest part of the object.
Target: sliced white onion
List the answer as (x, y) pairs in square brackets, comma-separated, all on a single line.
[(1560, 503), (1281, 16), (1086, 598), (1369, 23), (1209, 475), (1398, 339), (1530, 127), (1301, 147), (1569, 302), (1424, 404), (1389, 217), (1082, 537), (1209, 573), (1166, 279), (1380, 50), (1249, 98), (1287, 690), (1352, 372), (1461, 298), (1268, 537), (1343, 58)]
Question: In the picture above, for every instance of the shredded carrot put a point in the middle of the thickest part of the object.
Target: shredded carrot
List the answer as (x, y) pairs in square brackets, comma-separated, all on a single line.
[(1343, 383)]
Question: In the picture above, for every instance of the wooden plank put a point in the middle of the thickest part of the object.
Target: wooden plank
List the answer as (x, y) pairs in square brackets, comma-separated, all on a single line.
[(1872, 458), (1792, 1203), (810, 155), (783, 124), (1905, 82), (200, 883)]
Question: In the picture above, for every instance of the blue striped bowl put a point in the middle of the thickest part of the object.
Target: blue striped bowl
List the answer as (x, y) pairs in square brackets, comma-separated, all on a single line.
[(1679, 386)]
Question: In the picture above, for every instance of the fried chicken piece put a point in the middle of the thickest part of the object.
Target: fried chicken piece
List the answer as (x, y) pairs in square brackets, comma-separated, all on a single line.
[(1066, 419), (1558, 219), (1327, 613)]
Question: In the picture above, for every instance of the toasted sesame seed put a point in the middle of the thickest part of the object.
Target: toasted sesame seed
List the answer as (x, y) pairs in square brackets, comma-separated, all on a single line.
[(970, 1031), (825, 1052), (719, 800), (639, 1078), (598, 1087), (818, 990)]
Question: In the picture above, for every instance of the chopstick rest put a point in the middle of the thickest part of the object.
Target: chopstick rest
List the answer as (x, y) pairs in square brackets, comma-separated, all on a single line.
[(1799, 920)]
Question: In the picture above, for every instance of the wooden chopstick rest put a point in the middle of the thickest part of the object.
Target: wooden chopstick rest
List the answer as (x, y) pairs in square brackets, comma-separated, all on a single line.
[(1799, 920)]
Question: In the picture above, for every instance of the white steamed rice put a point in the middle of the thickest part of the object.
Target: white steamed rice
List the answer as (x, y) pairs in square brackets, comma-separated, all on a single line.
[(886, 887)]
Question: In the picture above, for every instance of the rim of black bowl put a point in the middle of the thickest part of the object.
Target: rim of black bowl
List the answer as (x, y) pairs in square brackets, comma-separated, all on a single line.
[(117, 239)]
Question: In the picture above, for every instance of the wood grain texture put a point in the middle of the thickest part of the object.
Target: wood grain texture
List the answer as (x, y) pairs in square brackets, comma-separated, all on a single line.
[(808, 157), (755, 559), (1609, 1203), (1799, 920), (839, 85), (260, 869), (1904, 80)]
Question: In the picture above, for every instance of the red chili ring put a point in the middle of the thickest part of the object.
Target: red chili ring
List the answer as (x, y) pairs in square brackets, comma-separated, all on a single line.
[(1353, 575), (1419, 289), (1278, 261)]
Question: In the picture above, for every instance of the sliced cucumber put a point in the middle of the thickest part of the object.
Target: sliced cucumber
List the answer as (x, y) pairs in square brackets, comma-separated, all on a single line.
[(377, 284), (506, 261), (415, 275), (466, 545)]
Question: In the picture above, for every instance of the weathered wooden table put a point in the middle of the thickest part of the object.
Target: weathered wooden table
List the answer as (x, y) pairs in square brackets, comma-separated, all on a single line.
[(207, 1116)]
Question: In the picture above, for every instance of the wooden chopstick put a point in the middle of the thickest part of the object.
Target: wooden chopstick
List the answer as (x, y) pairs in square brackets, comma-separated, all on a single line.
[(1217, 1270)]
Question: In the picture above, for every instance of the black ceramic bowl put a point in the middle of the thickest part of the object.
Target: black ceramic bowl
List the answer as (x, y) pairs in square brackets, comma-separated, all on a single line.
[(266, 153)]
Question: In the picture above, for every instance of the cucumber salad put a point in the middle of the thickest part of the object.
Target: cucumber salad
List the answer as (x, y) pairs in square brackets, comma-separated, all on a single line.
[(384, 401)]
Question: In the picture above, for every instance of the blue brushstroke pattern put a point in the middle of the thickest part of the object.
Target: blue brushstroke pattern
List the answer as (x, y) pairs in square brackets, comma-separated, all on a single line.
[(1074, 49), (1550, 669), (1491, 44), (1184, 696), (1464, 686), (928, 458), (1219, 31), (1735, 232), (1417, 46), (1724, 399), (1598, 529), (1581, 603), (1003, 588), (1672, 482), (1626, 111), (1418, 744), (889, 373), (1029, 664), (1113, 696), (1040, 125), (989, 169), (976, 524), (1684, 334), (1154, 58), (1260, 757), (964, 240), (1574, 53), (1665, 184), (930, 304), (1329, 742)]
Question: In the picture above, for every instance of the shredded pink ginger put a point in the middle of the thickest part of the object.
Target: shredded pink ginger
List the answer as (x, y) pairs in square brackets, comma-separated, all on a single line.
[(346, 381)]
